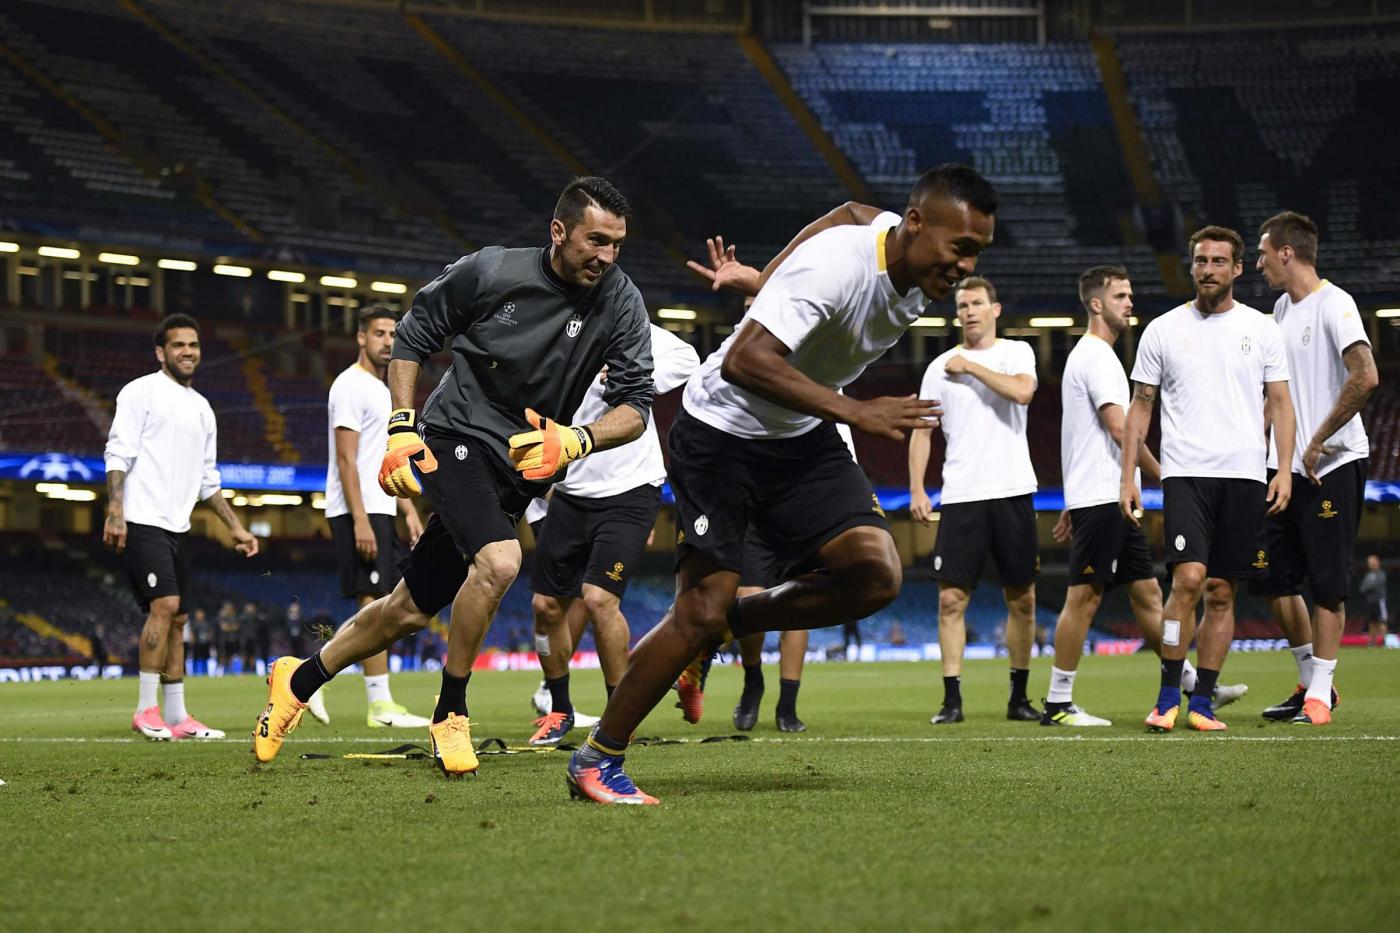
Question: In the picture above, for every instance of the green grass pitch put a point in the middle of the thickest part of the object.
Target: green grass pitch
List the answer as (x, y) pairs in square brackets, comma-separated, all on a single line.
[(873, 819)]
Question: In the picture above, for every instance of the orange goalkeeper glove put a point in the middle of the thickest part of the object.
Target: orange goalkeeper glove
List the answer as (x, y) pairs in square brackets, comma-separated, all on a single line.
[(405, 457), (541, 453)]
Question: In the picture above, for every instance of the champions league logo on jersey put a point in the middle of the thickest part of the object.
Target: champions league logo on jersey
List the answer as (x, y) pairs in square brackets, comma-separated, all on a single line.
[(575, 325), (507, 314)]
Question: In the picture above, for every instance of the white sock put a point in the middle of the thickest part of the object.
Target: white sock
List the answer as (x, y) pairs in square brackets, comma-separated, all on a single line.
[(377, 688), (1320, 687), (1304, 656), (1188, 677), (174, 703), (1061, 686), (149, 686)]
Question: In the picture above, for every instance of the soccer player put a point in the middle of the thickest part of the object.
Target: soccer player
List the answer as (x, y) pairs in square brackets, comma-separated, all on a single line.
[(754, 443), (1221, 371), (985, 385), (1332, 374), (600, 516), (161, 459), (529, 329), (1373, 591), (361, 515)]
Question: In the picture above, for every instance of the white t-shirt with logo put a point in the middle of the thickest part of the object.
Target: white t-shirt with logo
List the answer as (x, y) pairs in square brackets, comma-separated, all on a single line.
[(1092, 461), (1316, 332), (1212, 369), (987, 456), (832, 304), (359, 401)]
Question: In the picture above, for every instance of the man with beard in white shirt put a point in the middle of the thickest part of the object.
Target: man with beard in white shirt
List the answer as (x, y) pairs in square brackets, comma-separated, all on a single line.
[(985, 385), (1222, 374), (1332, 373)]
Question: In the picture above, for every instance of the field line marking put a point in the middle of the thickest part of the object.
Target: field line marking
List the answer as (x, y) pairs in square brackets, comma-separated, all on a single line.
[(774, 740)]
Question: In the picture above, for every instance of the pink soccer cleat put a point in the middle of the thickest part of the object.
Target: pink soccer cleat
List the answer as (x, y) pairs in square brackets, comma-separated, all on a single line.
[(148, 723), (191, 728)]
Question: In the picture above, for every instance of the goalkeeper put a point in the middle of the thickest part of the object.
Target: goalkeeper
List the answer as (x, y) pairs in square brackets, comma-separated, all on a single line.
[(529, 330)]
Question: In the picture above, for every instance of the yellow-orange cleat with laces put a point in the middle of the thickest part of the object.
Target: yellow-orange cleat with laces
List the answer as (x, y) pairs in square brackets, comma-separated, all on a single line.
[(282, 713), (451, 741)]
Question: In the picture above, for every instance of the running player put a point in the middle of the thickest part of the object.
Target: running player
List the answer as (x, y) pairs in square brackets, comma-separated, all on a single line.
[(360, 514), (1332, 373), (985, 385), (600, 516), (754, 443), (161, 459), (528, 329), (1221, 371)]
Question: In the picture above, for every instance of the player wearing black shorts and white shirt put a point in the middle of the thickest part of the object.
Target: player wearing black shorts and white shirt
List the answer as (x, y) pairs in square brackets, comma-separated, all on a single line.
[(360, 514), (755, 444), (1221, 369), (600, 517), (528, 330), (985, 385), (1332, 373), (161, 459)]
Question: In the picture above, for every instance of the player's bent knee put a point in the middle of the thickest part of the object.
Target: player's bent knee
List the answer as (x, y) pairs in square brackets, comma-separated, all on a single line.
[(1189, 577), (952, 600), (879, 582), (601, 604), (496, 568), (165, 608), (401, 612), (546, 608)]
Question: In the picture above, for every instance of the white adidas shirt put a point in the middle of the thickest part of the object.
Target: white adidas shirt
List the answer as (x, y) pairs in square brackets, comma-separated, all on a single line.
[(832, 304), (1316, 332), (987, 455), (1091, 460), (165, 439), (1212, 369), (360, 401)]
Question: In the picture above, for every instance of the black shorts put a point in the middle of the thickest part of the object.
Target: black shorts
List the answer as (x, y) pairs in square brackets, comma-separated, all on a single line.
[(760, 566), (1107, 548), (799, 492), (360, 577), (477, 500), (594, 541), (968, 530), (1216, 521), (156, 564), (1314, 537)]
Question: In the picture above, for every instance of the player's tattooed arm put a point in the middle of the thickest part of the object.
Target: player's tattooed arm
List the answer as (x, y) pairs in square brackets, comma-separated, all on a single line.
[(243, 541), (1145, 393), (618, 426), (1362, 379), (114, 527), (403, 382)]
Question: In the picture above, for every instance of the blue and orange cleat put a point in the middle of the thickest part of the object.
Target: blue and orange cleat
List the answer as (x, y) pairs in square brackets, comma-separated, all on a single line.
[(602, 780), (1314, 713), (552, 727), (1163, 715), (1200, 716)]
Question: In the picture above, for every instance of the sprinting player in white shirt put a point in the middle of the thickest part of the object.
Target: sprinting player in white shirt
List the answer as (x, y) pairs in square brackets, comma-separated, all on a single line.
[(360, 514), (160, 457), (1332, 373), (985, 385), (755, 443), (1222, 374)]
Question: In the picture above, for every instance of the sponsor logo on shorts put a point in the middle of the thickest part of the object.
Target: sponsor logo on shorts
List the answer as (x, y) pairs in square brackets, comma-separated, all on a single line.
[(461, 451), (702, 525), (1307, 336), (615, 574), (1244, 345), (1180, 542), (680, 536), (574, 326), (876, 508), (1261, 560), (1327, 511), (151, 580), (1089, 569), (938, 563), (1113, 567), (507, 314), (374, 577)]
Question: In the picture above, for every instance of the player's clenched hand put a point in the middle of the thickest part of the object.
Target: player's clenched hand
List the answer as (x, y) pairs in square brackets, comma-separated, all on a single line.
[(890, 417), (114, 530), (920, 507), (541, 453), (1280, 491), (1130, 502), (366, 545), (1064, 528), (406, 457), (245, 542)]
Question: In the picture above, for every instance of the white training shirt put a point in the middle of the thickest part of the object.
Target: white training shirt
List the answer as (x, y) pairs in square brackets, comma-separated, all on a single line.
[(164, 437), (987, 454), (1316, 332), (1212, 369), (360, 401), (1091, 460), (832, 304), (636, 463)]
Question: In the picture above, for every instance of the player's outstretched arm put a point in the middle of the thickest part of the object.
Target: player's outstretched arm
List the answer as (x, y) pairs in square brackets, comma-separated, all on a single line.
[(1278, 403), (1362, 379), (1134, 434)]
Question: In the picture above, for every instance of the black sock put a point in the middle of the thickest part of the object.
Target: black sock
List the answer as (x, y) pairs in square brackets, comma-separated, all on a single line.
[(1054, 706), (787, 696), (606, 743), (952, 691), (753, 679), (1205, 684), (1171, 673), (452, 698), (1019, 678), (610, 688), (309, 677), (559, 695)]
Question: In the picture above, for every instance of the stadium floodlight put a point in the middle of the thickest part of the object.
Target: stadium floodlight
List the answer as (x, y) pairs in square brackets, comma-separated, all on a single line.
[(119, 259), (930, 322), (300, 297), (676, 314), (282, 275), (9, 247), (388, 288), (59, 252), (1052, 322), (47, 488), (318, 501), (1388, 312), (238, 272), (177, 265), (273, 498), (1133, 320), (338, 281)]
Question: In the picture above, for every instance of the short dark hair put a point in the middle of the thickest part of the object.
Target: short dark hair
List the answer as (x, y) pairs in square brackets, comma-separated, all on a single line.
[(957, 183), (1095, 280), (976, 281), (1220, 235), (1290, 228), (376, 312), (171, 322), (589, 189)]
